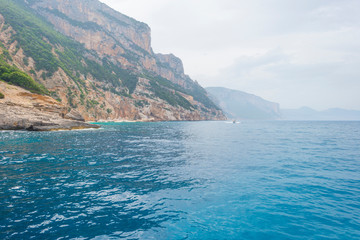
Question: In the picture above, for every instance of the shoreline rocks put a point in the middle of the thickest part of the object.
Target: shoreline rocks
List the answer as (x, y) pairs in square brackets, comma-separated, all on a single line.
[(23, 110), (20, 118)]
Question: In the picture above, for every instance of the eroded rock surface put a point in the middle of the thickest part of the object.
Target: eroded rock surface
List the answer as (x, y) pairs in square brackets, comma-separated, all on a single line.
[(23, 110)]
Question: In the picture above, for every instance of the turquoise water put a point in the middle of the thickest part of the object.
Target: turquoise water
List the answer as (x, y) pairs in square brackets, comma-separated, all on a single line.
[(183, 180)]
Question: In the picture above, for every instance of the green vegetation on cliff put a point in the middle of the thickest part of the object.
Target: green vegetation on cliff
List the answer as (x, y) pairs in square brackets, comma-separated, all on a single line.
[(16, 77), (1, 96), (168, 91), (200, 95)]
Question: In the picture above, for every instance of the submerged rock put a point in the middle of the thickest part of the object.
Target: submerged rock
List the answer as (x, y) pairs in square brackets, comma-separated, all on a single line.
[(65, 125)]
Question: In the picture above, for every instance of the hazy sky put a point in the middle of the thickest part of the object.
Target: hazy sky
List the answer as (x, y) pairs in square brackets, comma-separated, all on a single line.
[(294, 52)]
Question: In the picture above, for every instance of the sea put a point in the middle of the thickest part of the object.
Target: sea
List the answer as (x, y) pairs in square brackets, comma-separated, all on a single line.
[(183, 180)]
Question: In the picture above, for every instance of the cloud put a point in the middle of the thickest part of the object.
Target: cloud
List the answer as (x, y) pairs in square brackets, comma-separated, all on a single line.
[(279, 77), (297, 53)]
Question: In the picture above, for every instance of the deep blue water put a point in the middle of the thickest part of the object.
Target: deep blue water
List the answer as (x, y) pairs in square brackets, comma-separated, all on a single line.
[(183, 180)]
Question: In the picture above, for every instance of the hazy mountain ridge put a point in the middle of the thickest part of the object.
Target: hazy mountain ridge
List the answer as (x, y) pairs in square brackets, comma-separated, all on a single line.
[(306, 113), (240, 105), (109, 71)]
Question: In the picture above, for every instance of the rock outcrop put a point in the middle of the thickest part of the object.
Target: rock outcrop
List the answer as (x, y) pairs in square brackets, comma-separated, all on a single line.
[(23, 110), (74, 115)]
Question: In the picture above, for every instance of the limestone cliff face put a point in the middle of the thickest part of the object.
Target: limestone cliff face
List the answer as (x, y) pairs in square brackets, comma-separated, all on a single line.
[(171, 67), (96, 18), (116, 76), (111, 34)]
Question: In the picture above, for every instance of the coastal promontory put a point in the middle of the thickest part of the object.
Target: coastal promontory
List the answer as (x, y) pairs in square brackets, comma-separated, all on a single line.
[(95, 61)]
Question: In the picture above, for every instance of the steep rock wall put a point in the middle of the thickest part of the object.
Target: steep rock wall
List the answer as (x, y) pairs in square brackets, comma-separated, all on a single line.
[(116, 43)]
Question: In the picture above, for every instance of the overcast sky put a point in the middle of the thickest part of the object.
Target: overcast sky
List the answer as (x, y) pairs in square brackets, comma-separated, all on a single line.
[(294, 52)]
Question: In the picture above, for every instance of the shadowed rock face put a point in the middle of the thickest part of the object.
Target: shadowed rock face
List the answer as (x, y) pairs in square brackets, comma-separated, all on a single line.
[(74, 115), (22, 110), (125, 43)]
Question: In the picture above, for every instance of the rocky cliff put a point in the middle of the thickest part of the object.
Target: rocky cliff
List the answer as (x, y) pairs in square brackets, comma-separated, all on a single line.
[(99, 62)]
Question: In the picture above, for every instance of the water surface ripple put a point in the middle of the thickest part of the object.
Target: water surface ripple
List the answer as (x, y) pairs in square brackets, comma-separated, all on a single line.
[(183, 180)]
